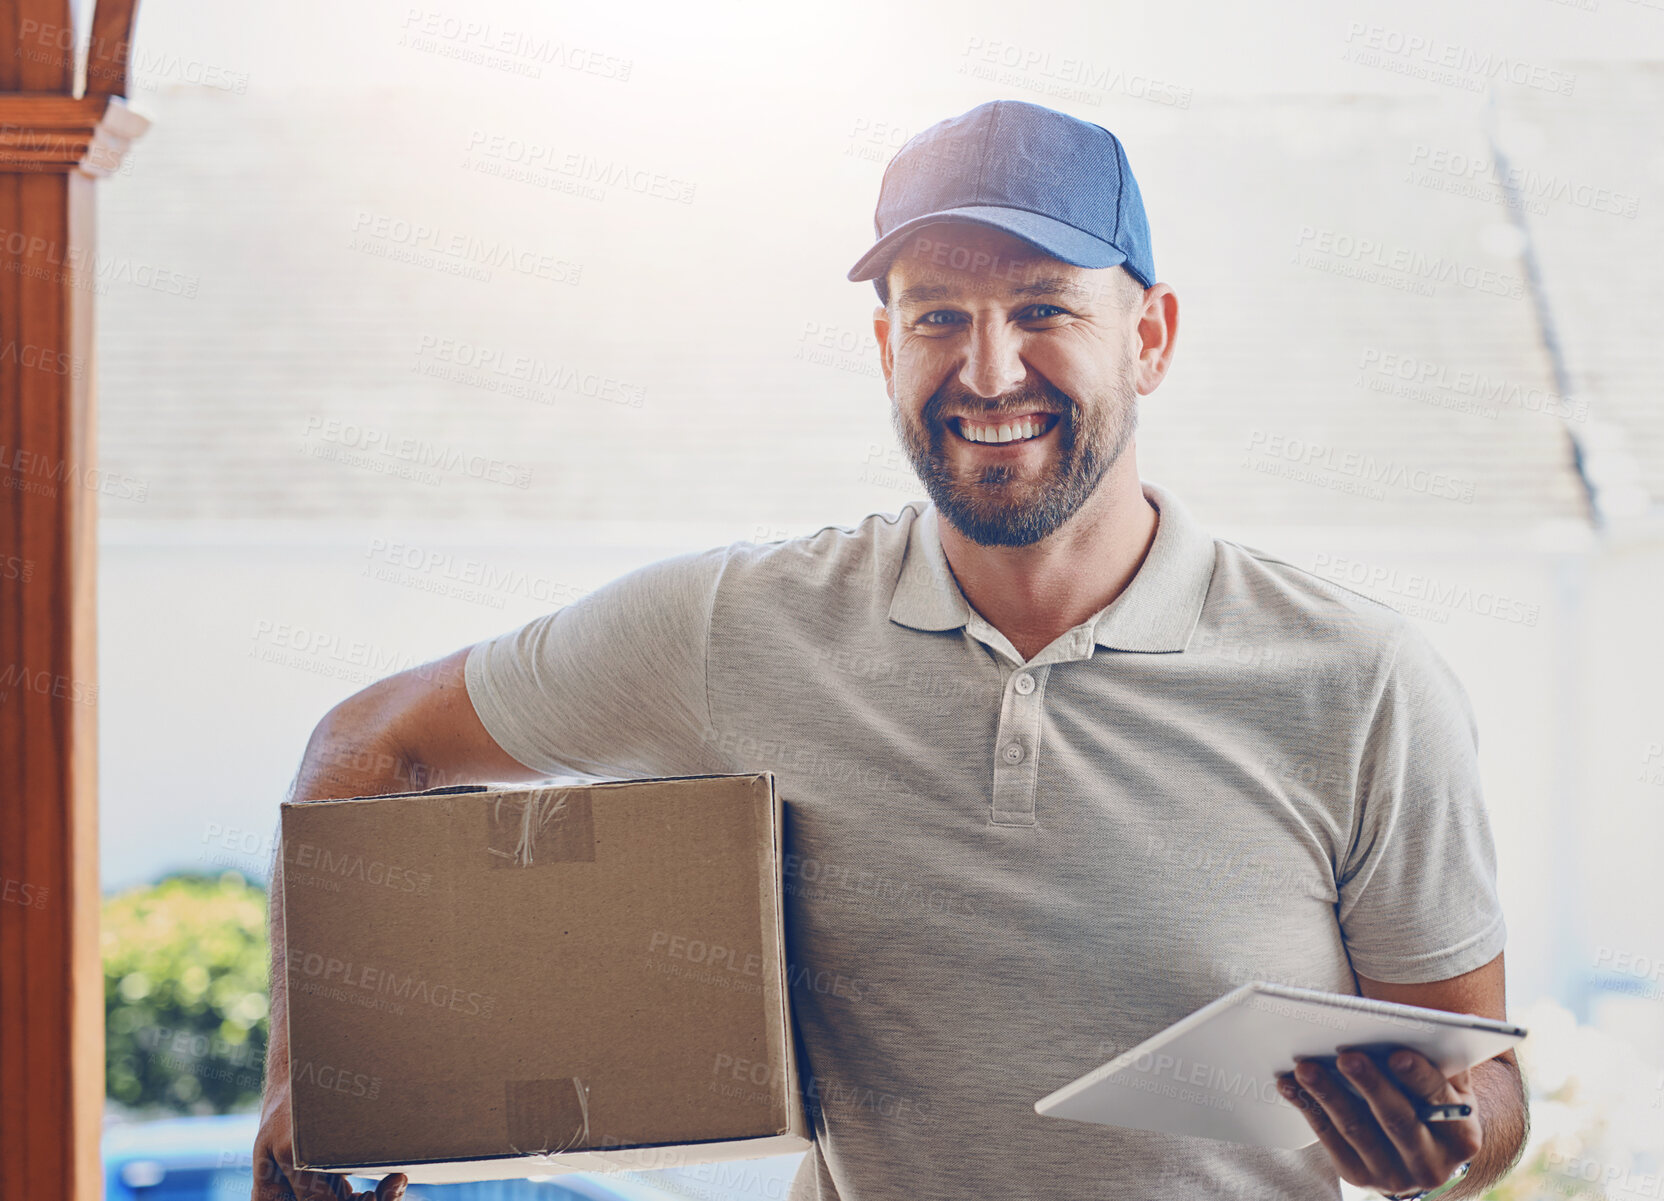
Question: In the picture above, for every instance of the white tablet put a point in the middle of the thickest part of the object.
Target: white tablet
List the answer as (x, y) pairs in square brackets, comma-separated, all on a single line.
[(1214, 1074)]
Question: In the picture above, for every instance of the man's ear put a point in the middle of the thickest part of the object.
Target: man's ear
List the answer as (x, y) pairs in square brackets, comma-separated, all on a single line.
[(886, 359), (1158, 326)]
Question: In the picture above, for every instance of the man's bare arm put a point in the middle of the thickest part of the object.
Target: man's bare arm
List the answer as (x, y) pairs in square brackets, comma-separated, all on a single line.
[(411, 731), (1381, 1143), (1503, 1112)]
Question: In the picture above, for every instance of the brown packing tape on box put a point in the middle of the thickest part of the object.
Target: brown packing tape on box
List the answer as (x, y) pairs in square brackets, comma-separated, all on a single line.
[(479, 984)]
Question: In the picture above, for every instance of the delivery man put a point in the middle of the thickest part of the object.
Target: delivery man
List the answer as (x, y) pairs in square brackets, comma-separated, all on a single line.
[(1059, 766)]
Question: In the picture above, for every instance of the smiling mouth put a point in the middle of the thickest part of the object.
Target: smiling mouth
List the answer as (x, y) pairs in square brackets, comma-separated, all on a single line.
[(1025, 428)]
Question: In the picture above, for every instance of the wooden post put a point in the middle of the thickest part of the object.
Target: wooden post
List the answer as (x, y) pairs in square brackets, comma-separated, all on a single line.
[(53, 145)]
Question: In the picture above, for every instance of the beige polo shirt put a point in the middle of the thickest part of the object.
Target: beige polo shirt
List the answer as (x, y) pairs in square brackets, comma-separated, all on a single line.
[(1000, 873)]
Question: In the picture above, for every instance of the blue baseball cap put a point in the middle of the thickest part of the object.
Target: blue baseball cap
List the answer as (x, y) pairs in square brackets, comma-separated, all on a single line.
[(1055, 181)]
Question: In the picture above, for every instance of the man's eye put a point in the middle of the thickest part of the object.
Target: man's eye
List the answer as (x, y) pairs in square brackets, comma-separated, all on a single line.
[(1051, 310), (927, 318)]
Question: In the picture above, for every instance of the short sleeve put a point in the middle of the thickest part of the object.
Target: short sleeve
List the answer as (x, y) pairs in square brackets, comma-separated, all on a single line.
[(1418, 896), (611, 685)]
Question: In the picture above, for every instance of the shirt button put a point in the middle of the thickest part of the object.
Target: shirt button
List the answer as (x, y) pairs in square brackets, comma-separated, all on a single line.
[(1014, 752), (1025, 683)]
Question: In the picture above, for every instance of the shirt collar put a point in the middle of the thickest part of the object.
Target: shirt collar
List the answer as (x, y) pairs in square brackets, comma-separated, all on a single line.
[(1156, 612)]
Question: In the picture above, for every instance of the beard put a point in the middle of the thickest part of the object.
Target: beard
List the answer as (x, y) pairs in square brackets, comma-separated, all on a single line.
[(996, 505)]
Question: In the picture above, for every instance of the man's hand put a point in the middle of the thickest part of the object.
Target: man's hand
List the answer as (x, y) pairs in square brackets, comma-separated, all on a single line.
[(1377, 1141)]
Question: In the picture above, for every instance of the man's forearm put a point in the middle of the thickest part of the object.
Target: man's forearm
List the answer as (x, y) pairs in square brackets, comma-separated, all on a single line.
[(1504, 1119)]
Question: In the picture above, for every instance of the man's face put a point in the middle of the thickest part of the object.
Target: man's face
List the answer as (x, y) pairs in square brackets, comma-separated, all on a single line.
[(1013, 377)]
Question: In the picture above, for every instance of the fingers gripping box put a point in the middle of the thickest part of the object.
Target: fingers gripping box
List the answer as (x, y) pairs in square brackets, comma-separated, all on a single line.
[(492, 982)]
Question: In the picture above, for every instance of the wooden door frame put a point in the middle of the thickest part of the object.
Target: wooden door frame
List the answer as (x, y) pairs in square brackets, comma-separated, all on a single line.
[(57, 137)]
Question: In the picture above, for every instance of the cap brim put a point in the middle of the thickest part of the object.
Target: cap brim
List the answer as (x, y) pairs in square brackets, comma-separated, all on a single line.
[(1048, 234)]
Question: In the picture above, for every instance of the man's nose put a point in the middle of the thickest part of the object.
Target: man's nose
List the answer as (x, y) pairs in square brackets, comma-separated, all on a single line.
[(993, 365)]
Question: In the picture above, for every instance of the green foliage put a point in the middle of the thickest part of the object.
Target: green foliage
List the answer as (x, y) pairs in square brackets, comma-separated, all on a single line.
[(185, 967)]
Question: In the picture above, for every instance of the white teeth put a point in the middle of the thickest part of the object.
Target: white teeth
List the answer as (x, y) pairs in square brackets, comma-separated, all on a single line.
[(1011, 431)]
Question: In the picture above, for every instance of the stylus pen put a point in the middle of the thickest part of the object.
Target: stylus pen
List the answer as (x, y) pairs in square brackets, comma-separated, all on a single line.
[(1442, 1113)]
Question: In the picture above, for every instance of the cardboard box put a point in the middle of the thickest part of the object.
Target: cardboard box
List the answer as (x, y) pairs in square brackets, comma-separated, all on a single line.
[(495, 982)]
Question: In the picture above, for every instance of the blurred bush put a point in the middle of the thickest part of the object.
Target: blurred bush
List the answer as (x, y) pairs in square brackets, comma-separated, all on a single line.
[(1597, 1114), (185, 976)]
